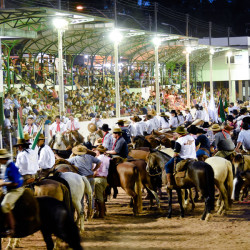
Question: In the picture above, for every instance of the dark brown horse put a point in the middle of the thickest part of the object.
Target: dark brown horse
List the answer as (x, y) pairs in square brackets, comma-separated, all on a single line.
[(198, 174), (46, 214), (127, 176), (151, 141)]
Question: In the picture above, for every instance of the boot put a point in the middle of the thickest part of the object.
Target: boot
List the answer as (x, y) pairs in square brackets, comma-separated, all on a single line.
[(170, 182), (10, 222), (102, 209)]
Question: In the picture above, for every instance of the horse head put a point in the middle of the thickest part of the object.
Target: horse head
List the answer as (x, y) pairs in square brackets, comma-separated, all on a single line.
[(153, 168), (140, 141), (238, 162), (154, 141), (59, 138)]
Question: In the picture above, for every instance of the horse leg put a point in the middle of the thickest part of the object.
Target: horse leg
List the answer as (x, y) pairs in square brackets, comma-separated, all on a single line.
[(179, 193), (224, 196), (17, 242), (196, 197), (152, 192), (10, 244), (48, 240), (191, 199), (169, 191), (131, 193), (80, 215), (185, 198)]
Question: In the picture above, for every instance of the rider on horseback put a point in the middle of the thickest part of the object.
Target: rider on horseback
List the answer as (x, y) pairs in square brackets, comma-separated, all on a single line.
[(223, 142), (184, 149), (14, 184)]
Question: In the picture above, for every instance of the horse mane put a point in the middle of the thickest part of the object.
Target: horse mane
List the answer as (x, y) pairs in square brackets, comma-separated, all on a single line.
[(141, 137), (156, 150)]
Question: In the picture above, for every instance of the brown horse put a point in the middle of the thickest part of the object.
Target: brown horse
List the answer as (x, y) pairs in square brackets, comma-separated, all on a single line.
[(46, 214), (127, 176), (138, 154), (151, 141)]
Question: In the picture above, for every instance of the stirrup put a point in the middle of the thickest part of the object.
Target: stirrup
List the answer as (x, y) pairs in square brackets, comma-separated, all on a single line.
[(7, 233)]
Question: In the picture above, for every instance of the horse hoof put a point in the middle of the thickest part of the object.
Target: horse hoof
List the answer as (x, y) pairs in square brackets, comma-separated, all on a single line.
[(208, 217), (169, 216), (182, 216)]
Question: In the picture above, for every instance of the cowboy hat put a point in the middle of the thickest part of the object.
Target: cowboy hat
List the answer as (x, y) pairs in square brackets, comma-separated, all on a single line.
[(79, 150), (164, 115), (135, 118), (192, 130), (197, 122), (26, 136), (152, 112), (4, 153), (181, 130), (105, 127), (101, 149), (187, 109), (42, 137), (216, 127), (228, 128), (21, 142), (117, 130), (206, 125), (30, 117), (121, 122), (92, 128)]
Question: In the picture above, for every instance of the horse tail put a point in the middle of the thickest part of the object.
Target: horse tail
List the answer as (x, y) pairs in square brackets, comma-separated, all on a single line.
[(138, 187), (229, 182), (88, 192), (209, 172), (67, 199)]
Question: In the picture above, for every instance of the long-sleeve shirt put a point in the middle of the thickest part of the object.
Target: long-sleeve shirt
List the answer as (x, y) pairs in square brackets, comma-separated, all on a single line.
[(108, 141), (104, 168), (46, 157)]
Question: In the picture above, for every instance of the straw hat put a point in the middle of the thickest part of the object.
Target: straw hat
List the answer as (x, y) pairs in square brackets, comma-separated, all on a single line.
[(21, 142), (152, 112), (135, 118), (79, 150), (42, 137), (117, 130), (216, 127), (164, 115), (228, 128), (92, 128), (4, 154), (101, 149), (26, 136), (187, 109), (181, 130)]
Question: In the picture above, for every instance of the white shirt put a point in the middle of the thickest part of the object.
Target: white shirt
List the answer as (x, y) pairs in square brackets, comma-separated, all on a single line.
[(163, 123), (136, 129), (156, 123), (142, 126), (150, 126), (72, 125), (244, 138), (27, 162), (30, 129), (181, 120), (187, 147), (97, 123), (108, 141), (173, 122), (53, 128), (198, 115), (46, 158), (188, 118)]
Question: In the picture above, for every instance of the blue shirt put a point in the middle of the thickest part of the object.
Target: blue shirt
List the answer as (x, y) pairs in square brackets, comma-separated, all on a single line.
[(121, 147), (12, 175), (204, 141)]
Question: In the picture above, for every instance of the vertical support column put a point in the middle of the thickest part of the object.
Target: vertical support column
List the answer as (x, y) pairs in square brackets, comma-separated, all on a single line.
[(157, 88), (240, 90), (211, 74), (229, 79), (60, 72), (246, 90), (187, 79), (1, 89), (233, 92), (117, 84)]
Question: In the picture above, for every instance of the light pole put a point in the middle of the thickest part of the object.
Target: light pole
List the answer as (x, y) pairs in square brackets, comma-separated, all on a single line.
[(188, 51), (116, 37), (61, 25), (211, 71), (157, 43)]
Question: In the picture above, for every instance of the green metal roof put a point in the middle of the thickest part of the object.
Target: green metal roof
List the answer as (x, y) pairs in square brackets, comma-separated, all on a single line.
[(89, 35)]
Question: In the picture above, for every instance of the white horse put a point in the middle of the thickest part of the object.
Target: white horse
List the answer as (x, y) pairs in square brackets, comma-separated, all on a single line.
[(79, 186), (60, 142), (223, 174)]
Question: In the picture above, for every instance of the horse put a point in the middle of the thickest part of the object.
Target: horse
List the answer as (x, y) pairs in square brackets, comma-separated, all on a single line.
[(241, 164), (60, 145), (138, 154), (74, 138), (198, 174), (127, 176), (223, 178), (46, 214), (140, 141), (242, 182), (93, 137), (79, 185)]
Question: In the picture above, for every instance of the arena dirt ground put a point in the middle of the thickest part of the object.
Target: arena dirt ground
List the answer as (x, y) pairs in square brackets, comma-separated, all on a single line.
[(151, 230)]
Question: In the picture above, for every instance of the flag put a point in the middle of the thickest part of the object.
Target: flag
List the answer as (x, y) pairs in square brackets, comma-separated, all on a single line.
[(19, 127), (226, 106), (36, 139), (221, 111), (204, 98), (212, 111)]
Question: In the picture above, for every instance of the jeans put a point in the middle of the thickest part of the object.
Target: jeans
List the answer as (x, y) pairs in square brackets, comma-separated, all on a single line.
[(169, 167)]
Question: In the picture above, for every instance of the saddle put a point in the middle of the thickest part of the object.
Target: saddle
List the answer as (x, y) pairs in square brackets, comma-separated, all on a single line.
[(181, 168)]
